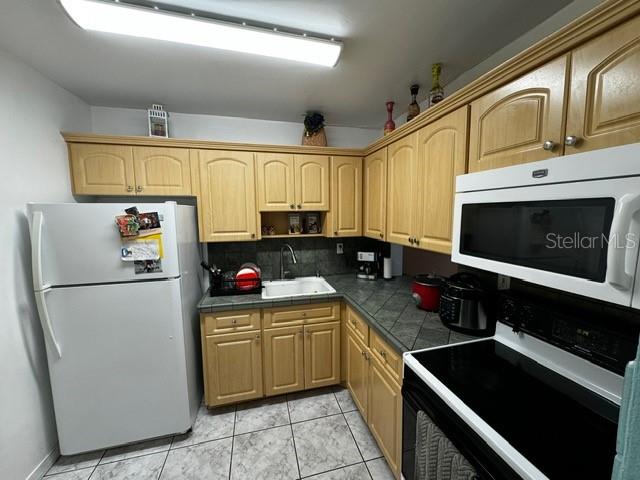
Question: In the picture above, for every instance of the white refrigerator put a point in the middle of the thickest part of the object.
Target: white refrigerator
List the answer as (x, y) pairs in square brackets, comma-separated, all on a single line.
[(123, 348)]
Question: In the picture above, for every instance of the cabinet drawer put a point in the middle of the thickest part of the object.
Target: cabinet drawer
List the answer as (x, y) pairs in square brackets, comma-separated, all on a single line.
[(231, 321), (387, 356), (300, 314), (358, 326)]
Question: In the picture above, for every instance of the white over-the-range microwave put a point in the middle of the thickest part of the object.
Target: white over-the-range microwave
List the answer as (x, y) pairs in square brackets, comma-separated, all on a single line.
[(570, 223)]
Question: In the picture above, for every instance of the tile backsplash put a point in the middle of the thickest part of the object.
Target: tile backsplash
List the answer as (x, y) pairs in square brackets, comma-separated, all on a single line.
[(315, 255)]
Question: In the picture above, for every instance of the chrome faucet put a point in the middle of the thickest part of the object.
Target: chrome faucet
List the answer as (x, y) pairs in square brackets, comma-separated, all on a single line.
[(293, 259)]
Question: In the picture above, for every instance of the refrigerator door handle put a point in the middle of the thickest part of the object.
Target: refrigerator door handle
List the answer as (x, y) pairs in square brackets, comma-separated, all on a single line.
[(45, 320), (37, 224)]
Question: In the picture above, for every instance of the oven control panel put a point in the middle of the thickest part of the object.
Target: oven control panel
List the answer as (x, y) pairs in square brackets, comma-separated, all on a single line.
[(591, 334)]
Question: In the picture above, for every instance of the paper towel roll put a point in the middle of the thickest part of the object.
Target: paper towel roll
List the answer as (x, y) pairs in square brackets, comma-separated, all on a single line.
[(386, 268)]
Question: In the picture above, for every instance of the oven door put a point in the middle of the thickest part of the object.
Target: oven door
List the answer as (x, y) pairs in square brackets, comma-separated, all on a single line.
[(579, 237), (458, 454)]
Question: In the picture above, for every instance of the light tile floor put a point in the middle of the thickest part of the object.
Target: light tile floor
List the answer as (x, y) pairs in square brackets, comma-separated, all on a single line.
[(317, 434)]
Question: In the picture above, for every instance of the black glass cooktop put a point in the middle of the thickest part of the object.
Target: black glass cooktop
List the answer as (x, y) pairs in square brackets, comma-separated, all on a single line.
[(562, 428)]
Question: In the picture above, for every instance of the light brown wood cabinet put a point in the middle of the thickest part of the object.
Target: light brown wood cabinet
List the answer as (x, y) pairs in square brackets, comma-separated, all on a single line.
[(374, 203), (321, 354), (385, 413), (233, 367), (311, 174), (284, 360), (227, 202), (287, 182), (344, 219), (604, 94), (511, 124), (402, 165), (373, 383), (442, 154), (357, 372), (125, 170), (275, 182), (102, 169), (162, 171)]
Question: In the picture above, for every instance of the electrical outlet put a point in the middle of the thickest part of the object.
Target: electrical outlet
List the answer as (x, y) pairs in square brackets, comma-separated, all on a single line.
[(504, 282), (339, 248)]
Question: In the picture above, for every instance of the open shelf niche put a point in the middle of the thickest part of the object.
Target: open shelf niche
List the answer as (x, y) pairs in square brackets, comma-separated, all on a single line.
[(280, 221)]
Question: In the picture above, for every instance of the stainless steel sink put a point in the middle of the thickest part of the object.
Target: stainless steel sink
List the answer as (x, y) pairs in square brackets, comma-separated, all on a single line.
[(296, 287)]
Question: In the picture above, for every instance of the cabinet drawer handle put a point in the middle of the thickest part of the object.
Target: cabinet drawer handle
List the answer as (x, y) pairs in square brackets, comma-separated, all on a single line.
[(571, 140)]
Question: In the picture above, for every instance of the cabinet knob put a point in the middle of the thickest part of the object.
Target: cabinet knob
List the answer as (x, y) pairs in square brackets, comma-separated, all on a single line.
[(381, 235), (335, 233), (253, 235), (299, 206), (139, 188), (549, 145), (292, 206), (234, 321), (383, 354), (571, 140), (129, 188), (304, 314), (417, 241), (257, 336), (411, 240)]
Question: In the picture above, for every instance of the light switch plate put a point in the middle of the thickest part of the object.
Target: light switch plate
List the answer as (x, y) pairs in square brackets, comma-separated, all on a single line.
[(339, 248)]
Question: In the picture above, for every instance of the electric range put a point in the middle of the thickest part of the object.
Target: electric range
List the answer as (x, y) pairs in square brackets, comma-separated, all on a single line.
[(538, 400)]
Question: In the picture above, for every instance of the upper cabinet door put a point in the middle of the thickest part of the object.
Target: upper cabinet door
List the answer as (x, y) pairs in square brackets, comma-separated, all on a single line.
[(345, 216), (162, 171), (375, 195), (275, 182), (604, 98), (511, 124), (442, 155), (401, 198), (312, 182), (227, 203), (102, 169)]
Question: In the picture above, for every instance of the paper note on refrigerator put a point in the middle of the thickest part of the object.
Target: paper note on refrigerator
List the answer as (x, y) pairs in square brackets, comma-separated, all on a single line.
[(141, 250)]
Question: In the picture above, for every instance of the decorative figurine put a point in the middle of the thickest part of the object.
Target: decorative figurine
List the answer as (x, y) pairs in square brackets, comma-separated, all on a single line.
[(158, 121), (314, 134), (436, 94), (389, 125), (414, 108)]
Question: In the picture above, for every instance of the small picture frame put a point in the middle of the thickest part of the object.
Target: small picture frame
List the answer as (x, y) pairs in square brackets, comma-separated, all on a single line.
[(158, 121), (295, 224), (313, 223)]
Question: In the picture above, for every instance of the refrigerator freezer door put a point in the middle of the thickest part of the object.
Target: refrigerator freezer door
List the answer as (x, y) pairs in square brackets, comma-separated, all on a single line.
[(121, 377), (79, 243)]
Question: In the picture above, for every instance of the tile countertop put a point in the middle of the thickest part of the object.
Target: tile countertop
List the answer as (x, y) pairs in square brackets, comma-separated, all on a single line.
[(386, 305)]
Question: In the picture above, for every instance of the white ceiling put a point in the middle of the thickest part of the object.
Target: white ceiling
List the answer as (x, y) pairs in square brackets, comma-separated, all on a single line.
[(388, 45)]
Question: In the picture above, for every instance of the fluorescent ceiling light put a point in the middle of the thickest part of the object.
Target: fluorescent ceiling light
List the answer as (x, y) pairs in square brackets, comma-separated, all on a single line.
[(147, 23)]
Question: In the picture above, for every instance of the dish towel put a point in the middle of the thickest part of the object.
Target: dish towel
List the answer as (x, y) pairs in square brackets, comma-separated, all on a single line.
[(436, 457), (626, 465)]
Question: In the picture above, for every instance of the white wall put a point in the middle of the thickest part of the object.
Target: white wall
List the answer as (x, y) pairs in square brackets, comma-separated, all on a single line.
[(550, 25), (33, 167), (126, 121)]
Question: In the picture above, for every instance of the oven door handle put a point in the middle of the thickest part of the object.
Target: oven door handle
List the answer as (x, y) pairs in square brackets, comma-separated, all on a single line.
[(620, 261)]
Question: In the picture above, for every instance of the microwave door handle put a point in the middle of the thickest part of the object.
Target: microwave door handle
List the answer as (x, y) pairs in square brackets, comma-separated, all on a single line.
[(45, 321), (619, 261)]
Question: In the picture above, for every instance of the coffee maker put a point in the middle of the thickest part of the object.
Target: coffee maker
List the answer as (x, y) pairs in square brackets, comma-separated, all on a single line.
[(368, 268)]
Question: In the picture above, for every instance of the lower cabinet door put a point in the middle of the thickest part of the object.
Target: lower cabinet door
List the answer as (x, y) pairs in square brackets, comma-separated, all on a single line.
[(283, 360), (357, 372), (233, 367), (321, 354), (385, 413)]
